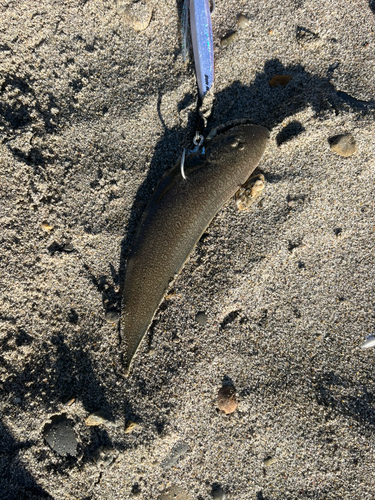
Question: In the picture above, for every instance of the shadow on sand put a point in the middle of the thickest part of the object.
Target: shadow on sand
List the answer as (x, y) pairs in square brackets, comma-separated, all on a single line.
[(70, 370)]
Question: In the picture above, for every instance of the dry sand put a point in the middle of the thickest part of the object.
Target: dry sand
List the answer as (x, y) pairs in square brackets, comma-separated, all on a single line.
[(92, 113)]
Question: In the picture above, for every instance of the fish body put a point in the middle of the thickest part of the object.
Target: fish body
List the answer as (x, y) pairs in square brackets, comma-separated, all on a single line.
[(202, 41), (178, 213)]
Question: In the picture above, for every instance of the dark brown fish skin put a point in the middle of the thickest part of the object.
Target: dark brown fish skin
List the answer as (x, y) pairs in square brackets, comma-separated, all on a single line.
[(179, 212)]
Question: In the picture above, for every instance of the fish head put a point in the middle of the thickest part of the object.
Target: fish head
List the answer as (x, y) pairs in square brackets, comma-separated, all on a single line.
[(241, 146)]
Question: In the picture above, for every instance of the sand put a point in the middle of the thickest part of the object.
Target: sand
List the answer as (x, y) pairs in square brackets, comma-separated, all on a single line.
[(92, 113)]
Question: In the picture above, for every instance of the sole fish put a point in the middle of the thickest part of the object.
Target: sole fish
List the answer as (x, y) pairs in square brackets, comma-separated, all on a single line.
[(176, 217)]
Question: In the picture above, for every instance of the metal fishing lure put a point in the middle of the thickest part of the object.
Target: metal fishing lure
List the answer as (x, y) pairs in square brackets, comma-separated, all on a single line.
[(202, 41)]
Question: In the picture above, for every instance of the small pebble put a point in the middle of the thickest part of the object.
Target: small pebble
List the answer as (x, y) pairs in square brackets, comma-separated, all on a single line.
[(60, 436), (245, 196), (137, 14), (344, 145), (228, 39), (227, 401), (257, 187), (46, 227), (279, 80), (68, 247), (269, 461), (201, 318), (218, 494), (100, 417), (242, 21), (130, 426), (112, 316)]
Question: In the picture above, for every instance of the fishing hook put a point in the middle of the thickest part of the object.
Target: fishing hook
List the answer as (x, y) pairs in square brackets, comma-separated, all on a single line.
[(182, 164), (197, 141)]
